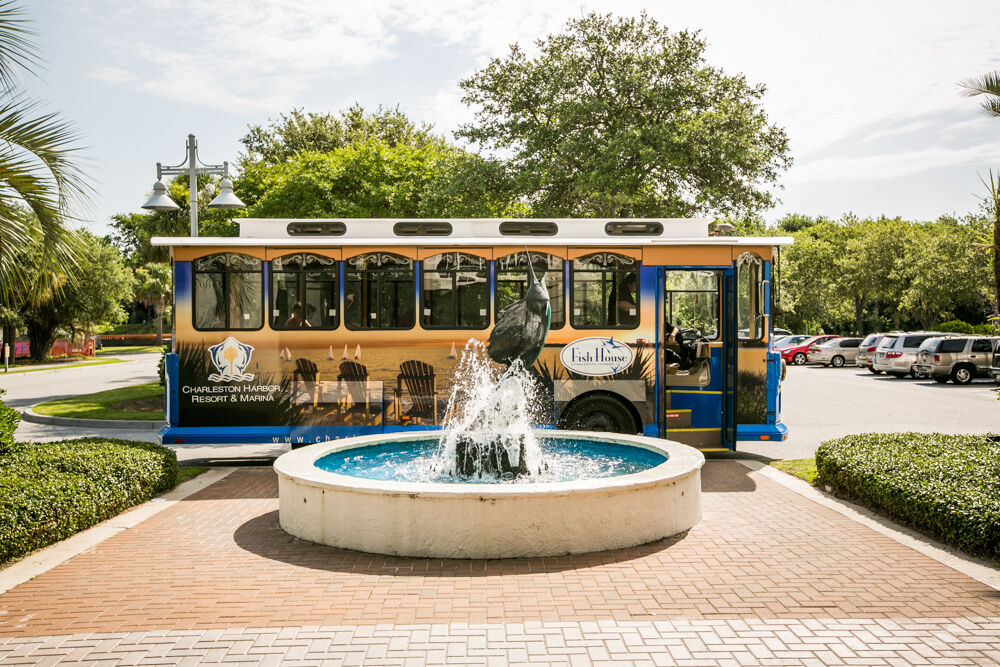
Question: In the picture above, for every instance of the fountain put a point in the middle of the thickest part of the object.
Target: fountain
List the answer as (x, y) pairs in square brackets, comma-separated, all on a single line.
[(490, 486)]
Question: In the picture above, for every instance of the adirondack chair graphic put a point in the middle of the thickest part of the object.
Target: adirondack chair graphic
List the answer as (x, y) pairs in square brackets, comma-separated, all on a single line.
[(352, 385), (417, 378), (305, 382)]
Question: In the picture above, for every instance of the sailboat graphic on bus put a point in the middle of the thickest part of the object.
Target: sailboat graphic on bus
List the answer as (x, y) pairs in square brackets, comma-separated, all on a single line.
[(231, 358)]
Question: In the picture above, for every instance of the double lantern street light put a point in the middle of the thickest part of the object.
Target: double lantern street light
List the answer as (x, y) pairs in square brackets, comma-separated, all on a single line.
[(192, 166)]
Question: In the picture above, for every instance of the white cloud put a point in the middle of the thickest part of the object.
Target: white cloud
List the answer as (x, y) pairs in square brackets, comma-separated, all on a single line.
[(884, 166)]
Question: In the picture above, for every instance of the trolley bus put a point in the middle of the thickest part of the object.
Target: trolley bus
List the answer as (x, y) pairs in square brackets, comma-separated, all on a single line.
[(299, 331)]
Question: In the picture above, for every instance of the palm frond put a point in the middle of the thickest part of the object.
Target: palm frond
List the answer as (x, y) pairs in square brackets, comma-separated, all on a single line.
[(17, 50), (987, 84)]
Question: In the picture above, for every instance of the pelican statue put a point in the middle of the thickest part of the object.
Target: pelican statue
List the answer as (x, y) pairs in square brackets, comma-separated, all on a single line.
[(523, 326)]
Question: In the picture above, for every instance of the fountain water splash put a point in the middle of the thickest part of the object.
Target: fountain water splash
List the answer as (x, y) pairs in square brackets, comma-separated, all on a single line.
[(487, 430)]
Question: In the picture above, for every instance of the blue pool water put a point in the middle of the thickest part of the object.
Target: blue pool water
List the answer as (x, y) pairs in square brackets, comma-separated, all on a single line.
[(565, 459)]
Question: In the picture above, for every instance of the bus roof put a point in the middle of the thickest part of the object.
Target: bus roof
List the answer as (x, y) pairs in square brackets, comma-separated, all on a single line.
[(472, 231)]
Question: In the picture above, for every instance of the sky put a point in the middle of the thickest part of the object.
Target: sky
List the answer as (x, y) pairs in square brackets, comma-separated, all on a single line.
[(868, 92)]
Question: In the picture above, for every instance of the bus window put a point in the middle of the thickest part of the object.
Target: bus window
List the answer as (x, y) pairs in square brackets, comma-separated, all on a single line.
[(749, 301), (455, 292), (304, 292), (512, 282), (692, 301), (605, 292), (378, 292), (228, 290)]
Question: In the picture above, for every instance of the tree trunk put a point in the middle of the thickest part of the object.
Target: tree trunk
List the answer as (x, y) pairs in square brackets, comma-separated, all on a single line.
[(40, 338), (858, 311), (996, 257), (158, 309)]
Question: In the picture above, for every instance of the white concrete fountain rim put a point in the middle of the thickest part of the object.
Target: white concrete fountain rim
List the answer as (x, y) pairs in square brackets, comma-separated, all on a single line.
[(300, 463)]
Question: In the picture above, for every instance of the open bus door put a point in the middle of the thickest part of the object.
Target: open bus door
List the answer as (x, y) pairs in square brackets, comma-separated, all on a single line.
[(730, 355)]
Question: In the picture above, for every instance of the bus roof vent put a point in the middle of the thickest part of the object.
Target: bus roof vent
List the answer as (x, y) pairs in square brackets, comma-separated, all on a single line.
[(316, 229), (633, 228), (421, 228), (528, 228)]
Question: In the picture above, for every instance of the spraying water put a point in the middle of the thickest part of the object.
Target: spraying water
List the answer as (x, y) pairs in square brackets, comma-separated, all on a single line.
[(487, 429)]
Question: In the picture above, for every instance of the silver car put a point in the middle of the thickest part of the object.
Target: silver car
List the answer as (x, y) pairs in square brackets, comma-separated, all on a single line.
[(896, 353), (836, 352), (960, 359), (866, 351)]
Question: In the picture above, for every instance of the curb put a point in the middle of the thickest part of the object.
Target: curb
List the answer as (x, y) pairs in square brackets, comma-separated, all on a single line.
[(30, 415)]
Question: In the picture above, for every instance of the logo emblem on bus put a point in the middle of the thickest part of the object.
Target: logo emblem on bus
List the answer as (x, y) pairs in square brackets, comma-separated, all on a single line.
[(597, 356), (231, 358)]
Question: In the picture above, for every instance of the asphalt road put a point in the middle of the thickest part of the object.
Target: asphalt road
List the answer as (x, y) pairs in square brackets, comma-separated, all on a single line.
[(26, 389), (820, 403)]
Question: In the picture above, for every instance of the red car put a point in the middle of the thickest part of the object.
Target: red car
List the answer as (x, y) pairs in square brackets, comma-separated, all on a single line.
[(799, 353)]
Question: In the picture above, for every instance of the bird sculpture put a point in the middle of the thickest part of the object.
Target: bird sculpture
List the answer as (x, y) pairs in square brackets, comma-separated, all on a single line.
[(523, 326)]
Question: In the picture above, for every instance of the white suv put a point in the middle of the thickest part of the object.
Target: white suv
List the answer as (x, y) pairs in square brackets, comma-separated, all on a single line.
[(896, 353)]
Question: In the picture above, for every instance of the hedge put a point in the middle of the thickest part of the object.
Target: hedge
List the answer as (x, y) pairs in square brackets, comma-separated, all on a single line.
[(49, 491), (947, 486)]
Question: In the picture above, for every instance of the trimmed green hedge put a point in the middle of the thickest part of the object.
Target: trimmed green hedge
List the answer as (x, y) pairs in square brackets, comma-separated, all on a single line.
[(49, 491), (9, 419), (945, 485)]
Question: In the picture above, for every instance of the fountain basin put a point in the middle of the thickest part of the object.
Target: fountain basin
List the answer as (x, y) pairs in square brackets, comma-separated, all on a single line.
[(497, 520)]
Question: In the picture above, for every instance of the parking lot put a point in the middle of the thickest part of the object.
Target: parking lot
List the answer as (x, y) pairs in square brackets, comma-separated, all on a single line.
[(819, 403)]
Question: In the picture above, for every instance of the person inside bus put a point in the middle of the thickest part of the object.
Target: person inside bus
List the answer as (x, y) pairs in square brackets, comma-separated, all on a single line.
[(626, 307), (297, 318), (673, 358)]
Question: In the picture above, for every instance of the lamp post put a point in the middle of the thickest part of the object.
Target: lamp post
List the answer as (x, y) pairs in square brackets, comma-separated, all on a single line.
[(192, 166)]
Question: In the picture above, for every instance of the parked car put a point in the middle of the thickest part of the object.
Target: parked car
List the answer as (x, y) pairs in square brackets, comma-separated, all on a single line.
[(836, 352), (799, 352), (794, 339), (896, 353), (995, 365), (866, 351), (960, 359)]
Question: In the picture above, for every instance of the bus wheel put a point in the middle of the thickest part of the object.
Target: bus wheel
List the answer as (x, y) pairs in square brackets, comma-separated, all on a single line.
[(599, 412)]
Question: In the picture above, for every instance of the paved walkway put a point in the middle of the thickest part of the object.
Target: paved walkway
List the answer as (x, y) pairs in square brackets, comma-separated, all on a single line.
[(768, 577)]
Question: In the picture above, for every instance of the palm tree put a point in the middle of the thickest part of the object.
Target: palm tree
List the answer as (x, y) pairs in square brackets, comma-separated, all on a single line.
[(40, 180), (152, 289), (987, 84)]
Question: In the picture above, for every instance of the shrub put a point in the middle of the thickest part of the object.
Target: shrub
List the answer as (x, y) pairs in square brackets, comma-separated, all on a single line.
[(955, 326), (945, 485), (49, 491), (984, 329), (9, 419)]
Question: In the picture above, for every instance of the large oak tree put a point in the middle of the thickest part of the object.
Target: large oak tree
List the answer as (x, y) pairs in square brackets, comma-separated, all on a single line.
[(621, 117)]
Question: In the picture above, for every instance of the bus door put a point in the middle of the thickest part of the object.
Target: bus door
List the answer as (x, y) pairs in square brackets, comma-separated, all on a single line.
[(692, 365), (730, 350)]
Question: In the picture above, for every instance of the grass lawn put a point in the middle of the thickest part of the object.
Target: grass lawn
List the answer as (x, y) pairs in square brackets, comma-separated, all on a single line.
[(72, 362), (801, 468), (141, 401), (184, 473), (129, 349)]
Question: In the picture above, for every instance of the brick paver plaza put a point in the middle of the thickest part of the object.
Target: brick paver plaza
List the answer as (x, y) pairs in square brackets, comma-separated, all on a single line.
[(768, 577)]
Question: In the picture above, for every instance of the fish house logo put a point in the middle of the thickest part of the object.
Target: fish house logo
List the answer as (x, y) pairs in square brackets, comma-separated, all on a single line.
[(231, 358), (597, 356)]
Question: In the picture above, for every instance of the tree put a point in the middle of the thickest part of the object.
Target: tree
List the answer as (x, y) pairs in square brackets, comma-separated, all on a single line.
[(620, 117), (948, 271), (90, 292), (371, 179), (38, 172), (153, 288), (298, 132)]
